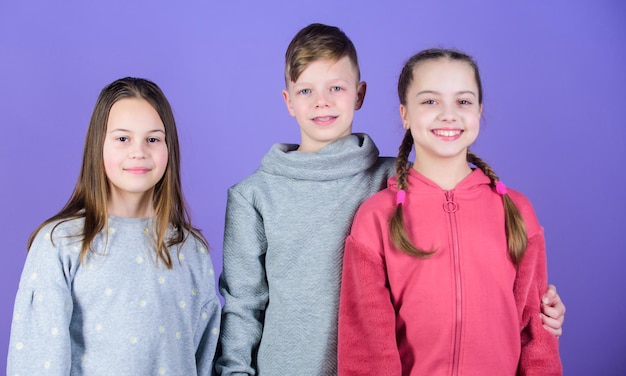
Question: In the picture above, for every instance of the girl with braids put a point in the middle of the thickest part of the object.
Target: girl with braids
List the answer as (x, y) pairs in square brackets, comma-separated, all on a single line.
[(444, 270), (119, 282)]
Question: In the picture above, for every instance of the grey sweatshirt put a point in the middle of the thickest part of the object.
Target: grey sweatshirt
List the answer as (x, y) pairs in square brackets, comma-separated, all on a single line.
[(118, 313), (283, 248)]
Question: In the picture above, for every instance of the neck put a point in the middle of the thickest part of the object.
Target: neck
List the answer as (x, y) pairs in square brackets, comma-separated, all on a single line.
[(315, 146), (447, 173), (131, 205)]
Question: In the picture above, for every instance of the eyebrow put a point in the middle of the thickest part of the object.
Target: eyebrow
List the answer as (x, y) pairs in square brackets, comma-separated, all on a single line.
[(129, 131), (329, 81), (438, 93)]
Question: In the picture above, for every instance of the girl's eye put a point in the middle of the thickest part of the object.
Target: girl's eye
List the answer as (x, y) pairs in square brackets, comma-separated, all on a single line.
[(429, 101), (122, 138), (464, 102), (305, 91), (153, 139), (336, 88)]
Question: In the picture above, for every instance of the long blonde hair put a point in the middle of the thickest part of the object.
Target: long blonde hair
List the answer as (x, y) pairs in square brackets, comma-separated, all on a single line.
[(90, 196)]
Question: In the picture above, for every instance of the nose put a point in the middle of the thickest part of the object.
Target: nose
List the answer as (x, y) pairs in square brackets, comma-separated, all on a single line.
[(448, 113), (322, 99), (138, 150)]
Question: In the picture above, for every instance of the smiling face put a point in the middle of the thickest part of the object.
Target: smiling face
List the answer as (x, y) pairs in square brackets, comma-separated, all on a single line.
[(135, 153), (442, 110), (323, 100)]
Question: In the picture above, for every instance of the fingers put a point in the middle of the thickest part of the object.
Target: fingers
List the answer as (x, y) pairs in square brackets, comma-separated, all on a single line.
[(552, 305), (551, 296), (553, 311), (556, 313), (552, 325)]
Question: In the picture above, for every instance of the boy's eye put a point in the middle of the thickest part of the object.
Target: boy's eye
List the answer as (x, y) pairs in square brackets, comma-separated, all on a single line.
[(429, 101), (305, 91), (336, 88), (464, 102)]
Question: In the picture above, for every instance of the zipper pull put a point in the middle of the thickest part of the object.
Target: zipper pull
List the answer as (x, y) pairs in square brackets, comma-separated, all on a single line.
[(450, 206)]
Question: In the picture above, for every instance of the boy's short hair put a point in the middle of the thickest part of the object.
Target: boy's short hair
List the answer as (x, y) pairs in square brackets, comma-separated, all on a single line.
[(317, 42)]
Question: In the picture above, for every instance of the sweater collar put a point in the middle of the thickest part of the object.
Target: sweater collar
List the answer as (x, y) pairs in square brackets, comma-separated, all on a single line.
[(345, 157)]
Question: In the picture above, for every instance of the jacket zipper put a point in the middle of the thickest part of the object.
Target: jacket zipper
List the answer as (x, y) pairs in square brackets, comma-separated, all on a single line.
[(451, 207)]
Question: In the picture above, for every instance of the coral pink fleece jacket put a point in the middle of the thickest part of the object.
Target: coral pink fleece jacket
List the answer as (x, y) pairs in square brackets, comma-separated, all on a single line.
[(467, 310)]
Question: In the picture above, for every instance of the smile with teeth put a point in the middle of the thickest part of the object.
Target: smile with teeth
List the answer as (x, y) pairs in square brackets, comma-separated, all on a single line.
[(447, 132), (324, 118)]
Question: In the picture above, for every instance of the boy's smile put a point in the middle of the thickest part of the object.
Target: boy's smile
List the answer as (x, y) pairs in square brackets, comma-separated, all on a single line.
[(327, 120), (323, 101)]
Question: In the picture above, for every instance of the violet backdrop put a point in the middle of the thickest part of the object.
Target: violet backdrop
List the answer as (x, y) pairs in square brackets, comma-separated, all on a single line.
[(554, 112)]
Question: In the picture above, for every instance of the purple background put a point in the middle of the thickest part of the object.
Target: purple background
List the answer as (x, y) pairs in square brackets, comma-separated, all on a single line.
[(553, 127)]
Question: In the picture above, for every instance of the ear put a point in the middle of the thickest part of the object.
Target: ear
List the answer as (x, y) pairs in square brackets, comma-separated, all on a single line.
[(404, 116), (287, 100), (360, 94)]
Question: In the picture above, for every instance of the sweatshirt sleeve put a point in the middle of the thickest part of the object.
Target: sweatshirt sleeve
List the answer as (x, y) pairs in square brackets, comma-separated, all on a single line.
[(367, 342), (207, 343), (540, 349), (40, 335), (243, 285)]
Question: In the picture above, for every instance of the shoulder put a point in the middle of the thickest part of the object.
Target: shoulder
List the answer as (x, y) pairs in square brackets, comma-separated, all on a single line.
[(370, 227), (375, 212), (199, 240), (196, 255), (250, 182), (526, 210), (387, 165), (196, 245), (53, 256), (383, 200), (246, 193), (267, 173), (258, 176), (195, 241), (59, 233)]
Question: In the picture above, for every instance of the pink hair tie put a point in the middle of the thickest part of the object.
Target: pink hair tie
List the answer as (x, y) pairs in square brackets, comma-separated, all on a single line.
[(400, 196), (501, 188)]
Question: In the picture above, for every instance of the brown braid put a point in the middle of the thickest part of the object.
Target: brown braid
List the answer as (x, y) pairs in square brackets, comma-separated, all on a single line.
[(514, 223), (397, 228), (402, 162)]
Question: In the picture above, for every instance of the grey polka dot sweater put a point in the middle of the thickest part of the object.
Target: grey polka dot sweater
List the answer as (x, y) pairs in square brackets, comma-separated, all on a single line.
[(118, 313), (283, 246)]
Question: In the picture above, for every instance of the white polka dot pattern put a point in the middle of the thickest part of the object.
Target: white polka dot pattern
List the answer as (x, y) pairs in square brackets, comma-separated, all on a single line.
[(120, 309)]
